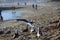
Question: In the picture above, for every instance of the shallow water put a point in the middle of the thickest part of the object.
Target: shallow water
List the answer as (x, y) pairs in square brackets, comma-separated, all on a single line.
[(7, 15)]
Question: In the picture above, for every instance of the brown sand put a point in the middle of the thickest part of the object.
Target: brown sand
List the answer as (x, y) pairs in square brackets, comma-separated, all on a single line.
[(43, 15)]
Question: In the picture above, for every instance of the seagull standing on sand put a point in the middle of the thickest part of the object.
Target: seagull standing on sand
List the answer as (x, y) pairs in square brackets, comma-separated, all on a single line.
[(16, 35), (38, 35), (39, 32), (2, 31), (32, 26)]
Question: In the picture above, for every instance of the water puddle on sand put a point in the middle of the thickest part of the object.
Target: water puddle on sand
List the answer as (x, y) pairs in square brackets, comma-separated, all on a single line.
[(7, 15)]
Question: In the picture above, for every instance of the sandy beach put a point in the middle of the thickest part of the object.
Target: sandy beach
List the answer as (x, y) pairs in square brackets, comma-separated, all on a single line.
[(45, 13)]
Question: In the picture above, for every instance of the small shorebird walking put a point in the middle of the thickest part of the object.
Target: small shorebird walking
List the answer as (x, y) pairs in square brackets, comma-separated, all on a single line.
[(8, 31)]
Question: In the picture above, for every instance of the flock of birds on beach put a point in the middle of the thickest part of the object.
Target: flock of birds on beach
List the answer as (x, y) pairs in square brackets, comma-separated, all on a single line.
[(38, 34)]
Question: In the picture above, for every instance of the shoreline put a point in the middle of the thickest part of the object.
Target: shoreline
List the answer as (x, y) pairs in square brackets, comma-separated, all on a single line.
[(41, 17)]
